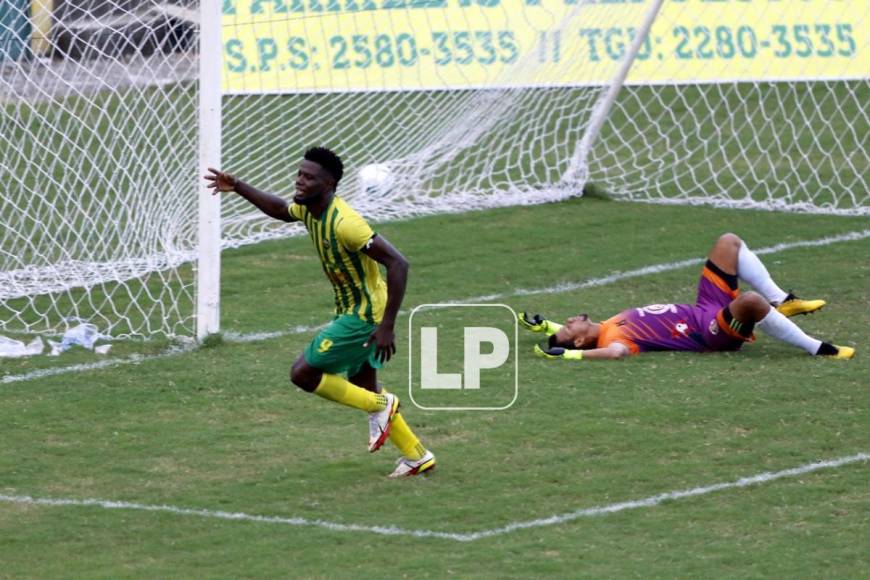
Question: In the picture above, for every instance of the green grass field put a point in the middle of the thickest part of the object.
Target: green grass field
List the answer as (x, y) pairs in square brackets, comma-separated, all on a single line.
[(221, 428)]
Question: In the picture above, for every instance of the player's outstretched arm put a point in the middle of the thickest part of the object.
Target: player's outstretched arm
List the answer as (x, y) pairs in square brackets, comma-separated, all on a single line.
[(613, 351), (383, 252), (268, 203)]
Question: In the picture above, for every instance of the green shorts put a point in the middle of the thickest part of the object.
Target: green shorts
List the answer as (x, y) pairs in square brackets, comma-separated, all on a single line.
[(338, 348)]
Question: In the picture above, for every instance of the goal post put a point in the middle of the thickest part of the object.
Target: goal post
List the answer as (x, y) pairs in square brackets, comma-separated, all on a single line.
[(209, 207)]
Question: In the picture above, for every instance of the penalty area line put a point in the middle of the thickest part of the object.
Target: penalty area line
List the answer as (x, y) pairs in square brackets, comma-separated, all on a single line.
[(556, 519)]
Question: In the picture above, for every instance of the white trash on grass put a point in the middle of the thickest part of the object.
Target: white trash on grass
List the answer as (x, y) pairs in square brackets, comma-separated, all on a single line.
[(84, 335), (11, 348)]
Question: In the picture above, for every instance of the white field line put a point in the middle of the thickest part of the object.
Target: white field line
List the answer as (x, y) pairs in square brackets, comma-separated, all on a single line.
[(133, 359), (558, 288), (591, 282), (665, 267), (455, 536), (231, 336)]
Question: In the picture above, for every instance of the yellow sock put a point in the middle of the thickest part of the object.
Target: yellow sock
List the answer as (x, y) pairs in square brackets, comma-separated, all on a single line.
[(335, 388), (403, 438)]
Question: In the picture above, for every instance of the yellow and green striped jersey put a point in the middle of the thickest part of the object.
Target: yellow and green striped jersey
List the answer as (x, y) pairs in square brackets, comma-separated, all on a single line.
[(339, 235)]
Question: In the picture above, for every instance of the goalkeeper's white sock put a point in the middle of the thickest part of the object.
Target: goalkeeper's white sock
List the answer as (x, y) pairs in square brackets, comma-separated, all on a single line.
[(778, 326), (750, 269)]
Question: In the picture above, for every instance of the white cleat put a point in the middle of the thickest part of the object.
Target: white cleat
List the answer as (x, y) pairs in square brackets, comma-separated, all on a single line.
[(407, 467), (381, 421)]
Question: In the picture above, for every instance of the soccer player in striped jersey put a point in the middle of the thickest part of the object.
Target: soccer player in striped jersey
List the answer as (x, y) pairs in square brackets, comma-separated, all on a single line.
[(361, 337), (721, 319)]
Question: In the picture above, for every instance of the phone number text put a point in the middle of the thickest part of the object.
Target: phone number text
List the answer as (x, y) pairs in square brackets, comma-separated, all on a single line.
[(361, 51), (718, 42), (502, 47)]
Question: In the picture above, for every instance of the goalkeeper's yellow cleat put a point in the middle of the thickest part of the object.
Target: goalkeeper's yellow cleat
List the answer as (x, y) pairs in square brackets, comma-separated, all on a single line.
[(537, 323), (843, 352), (792, 306), (558, 352)]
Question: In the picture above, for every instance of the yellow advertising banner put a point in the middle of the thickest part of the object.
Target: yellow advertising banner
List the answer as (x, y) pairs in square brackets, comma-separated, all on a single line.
[(351, 45)]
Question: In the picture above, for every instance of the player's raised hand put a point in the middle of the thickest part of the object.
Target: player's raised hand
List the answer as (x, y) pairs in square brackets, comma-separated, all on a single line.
[(537, 323), (533, 322), (220, 181)]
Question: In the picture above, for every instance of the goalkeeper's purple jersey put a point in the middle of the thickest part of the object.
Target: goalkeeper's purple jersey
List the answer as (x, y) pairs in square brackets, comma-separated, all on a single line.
[(660, 327), (699, 328)]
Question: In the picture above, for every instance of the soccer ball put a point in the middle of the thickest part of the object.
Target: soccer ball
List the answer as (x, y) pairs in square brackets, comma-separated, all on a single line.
[(376, 179)]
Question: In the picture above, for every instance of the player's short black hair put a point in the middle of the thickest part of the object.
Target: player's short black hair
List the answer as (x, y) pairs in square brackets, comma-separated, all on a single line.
[(553, 341), (328, 160)]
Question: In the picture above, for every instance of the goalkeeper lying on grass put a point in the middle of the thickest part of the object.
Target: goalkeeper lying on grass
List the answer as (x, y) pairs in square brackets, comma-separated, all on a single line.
[(721, 319)]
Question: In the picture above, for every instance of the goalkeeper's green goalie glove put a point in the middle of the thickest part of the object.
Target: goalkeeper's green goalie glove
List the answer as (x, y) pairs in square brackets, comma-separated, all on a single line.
[(556, 352), (537, 323)]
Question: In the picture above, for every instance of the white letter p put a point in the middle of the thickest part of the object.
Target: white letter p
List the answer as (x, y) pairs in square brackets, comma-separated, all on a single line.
[(476, 360)]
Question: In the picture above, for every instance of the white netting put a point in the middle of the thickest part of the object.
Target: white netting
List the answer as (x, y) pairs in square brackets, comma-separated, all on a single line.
[(732, 139), (98, 142), (798, 145), (504, 138), (98, 138)]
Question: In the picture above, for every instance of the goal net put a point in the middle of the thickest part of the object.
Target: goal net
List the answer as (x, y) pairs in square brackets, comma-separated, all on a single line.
[(435, 106), (98, 152)]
